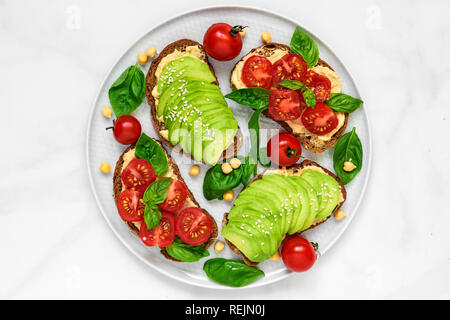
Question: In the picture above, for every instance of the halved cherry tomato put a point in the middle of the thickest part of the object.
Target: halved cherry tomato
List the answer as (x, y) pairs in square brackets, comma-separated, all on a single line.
[(129, 205), (138, 175), (284, 149), (176, 197), (257, 72), (319, 83), (161, 236), (290, 67), (320, 120), (284, 104), (193, 226)]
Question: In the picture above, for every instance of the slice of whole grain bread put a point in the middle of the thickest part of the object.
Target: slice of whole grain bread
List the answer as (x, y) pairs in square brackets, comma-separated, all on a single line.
[(294, 169), (151, 81), (309, 140), (134, 226)]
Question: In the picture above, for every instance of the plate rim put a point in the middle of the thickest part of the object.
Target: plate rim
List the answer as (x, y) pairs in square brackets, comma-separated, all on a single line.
[(210, 284)]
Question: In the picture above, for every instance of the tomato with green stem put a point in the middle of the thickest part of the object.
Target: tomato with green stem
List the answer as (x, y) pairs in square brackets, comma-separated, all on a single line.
[(284, 149)]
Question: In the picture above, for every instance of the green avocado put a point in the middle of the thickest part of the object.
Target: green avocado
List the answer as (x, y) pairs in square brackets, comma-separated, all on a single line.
[(303, 197), (238, 236), (313, 204), (184, 67)]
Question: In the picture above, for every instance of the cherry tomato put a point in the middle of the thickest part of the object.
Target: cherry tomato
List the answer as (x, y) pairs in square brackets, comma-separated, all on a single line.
[(127, 129), (161, 236), (222, 41), (298, 254), (257, 72), (284, 104), (176, 197), (319, 83), (290, 67), (138, 175), (193, 226), (320, 120), (129, 205), (284, 149)]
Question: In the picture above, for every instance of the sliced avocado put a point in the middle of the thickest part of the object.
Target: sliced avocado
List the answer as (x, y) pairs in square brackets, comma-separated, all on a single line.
[(247, 245), (217, 140), (303, 197), (313, 204), (184, 67), (196, 136)]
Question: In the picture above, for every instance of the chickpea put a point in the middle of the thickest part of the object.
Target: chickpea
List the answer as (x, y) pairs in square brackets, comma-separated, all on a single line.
[(219, 246), (243, 33), (151, 52), (107, 112), (195, 170), (276, 256), (266, 37), (226, 168), (142, 58), (235, 163), (339, 215), (228, 196), (105, 167), (349, 166)]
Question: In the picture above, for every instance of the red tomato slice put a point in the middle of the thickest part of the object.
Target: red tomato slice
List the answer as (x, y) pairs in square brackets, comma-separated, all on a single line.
[(138, 175), (284, 104), (290, 67), (129, 205), (319, 83), (320, 120), (176, 197), (193, 226), (257, 72), (161, 236)]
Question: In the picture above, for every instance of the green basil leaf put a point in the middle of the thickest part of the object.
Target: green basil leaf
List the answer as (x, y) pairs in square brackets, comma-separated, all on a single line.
[(150, 150), (216, 183), (342, 102), (292, 84), (254, 98), (152, 215), (304, 45), (253, 127), (156, 192), (348, 148), (248, 168), (186, 252), (231, 272), (264, 159), (128, 91), (309, 97)]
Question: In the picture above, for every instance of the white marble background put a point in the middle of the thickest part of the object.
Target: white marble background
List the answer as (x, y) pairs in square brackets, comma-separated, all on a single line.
[(54, 243)]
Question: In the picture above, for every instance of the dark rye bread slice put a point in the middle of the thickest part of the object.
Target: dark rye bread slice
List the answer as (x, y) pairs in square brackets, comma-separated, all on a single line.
[(309, 140), (117, 187), (151, 81), (295, 169)]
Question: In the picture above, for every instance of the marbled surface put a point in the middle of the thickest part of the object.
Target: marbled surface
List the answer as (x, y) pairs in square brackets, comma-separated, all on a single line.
[(55, 243)]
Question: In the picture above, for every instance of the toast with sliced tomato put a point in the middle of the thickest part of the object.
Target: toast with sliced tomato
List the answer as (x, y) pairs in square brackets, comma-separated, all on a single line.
[(274, 52), (261, 211), (180, 48), (173, 172)]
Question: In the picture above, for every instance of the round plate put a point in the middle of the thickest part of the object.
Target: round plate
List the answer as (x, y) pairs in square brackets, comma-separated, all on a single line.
[(101, 146)]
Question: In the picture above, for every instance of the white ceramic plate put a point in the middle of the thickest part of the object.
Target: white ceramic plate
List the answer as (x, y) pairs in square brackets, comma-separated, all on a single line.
[(101, 145)]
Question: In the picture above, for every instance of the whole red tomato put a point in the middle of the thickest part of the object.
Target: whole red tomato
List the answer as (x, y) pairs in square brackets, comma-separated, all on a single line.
[(298, 254), (284, 149), (222, 41), (127, 129)]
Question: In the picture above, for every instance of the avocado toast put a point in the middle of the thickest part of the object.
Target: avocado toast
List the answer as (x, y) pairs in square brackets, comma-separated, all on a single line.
[(311, 141), (187, 108), (174, 173), (277, 203)]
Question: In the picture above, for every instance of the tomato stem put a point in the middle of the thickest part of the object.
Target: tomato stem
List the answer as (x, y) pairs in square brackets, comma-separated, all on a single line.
[(291, 152), (114, 123), (236, 29), (315, 246)]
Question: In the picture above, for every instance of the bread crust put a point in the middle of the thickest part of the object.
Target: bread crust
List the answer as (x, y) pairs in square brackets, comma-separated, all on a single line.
[(117, 189), (309, 140), (295, 167), (151, 81)]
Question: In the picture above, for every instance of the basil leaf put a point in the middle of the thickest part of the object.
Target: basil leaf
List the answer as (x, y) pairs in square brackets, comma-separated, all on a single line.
[(150, 150), (304, 45), (248, 168), (216, 183), (156, 192), (253, 127), (309, 97), (292, 84), (254, 98), (264, 159), (186, 252), (128, 91), (152, 215), (342, 102), (348, 148), (231, 272)]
